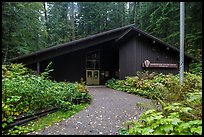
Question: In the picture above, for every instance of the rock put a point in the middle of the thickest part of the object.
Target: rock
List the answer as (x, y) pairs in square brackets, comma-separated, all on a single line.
[(79, 122)]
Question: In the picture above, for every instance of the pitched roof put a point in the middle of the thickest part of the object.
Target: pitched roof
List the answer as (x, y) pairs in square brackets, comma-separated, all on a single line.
[(116, 31), (139, 31), (115, 34)]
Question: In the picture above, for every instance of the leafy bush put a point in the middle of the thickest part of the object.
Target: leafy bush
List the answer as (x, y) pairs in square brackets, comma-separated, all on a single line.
[(171, 121), (196, 68), (166, 89), (23, 93)]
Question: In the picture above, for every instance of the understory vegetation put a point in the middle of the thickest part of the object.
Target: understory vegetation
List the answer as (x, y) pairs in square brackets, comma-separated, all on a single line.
[(181, 112), (23, 93), (46, 121)]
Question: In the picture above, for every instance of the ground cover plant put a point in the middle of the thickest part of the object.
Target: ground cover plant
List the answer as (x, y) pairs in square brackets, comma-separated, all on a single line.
[(46, 121), (183, 102), (196, 68), (174, 119), (23, 93)]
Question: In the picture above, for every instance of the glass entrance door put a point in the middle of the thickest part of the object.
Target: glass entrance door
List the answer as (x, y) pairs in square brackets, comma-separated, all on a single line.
[(92, 68), (92, 77)]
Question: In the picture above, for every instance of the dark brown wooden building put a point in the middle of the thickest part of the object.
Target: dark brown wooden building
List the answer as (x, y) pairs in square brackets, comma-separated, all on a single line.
[(116, 53)]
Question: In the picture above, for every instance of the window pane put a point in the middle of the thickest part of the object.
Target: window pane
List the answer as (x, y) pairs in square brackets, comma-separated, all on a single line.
[(93, 56), (93, 64)]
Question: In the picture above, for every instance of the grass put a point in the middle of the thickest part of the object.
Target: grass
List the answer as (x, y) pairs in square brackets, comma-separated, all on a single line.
[(46, 121)]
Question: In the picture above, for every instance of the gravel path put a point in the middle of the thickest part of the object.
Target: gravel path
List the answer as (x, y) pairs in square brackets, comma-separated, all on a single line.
[(105, 115)]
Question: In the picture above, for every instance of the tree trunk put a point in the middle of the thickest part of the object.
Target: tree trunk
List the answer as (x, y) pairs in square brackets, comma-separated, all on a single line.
[(8, 42), (129, 13), (134, 13), (122, 6), (136, 9), (72, 20), (46, 22), (6, 54)]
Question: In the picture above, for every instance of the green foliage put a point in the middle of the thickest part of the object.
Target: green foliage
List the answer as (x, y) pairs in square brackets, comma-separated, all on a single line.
[(24, 34), (18, 130), (196, 68), (47, 71), (105, 15), (171, 121), (194, 100), (58, 23), (182, 104), (24, 93), (51, 23), (45, 121), (161, 19), (152, 85)]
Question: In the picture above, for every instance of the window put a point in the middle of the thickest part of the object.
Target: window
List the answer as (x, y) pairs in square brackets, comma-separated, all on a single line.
[(93, 60)]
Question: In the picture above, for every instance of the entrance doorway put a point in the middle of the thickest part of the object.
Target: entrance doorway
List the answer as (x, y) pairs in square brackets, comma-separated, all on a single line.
[(93, 68), (92, 77)]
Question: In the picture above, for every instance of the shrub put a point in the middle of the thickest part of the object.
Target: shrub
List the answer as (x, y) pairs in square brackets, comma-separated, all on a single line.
[(166, 87), (195, 68), (182, 117), (171, 121), (23, 93)]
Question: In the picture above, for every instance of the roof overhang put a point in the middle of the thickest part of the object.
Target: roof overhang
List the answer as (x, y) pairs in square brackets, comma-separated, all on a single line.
[(118, 35), (137, 32), (71, 46)]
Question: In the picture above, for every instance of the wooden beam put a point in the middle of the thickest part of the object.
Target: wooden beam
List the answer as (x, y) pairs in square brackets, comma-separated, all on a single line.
[(123, 35), (38, 67)]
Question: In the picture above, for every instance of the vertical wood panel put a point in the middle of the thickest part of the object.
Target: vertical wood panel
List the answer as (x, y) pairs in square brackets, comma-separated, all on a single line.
[(38, 67), (127, 58), (133, 52)]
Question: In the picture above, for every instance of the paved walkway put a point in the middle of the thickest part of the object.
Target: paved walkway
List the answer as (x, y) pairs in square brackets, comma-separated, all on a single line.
[(105, 115)]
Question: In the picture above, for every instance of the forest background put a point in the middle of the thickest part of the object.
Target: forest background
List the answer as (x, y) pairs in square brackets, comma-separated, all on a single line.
[(31, 26)]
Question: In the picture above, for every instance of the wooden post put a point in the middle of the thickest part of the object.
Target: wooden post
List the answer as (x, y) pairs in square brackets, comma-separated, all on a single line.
[(38, 67)]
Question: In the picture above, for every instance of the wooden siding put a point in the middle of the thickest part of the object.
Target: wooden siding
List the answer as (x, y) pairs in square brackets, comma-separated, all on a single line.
[(134, 51), (127, 58), (72, 67), (109, 61)]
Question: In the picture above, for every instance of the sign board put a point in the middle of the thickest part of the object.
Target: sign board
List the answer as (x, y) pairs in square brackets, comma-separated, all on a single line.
[(148, 64)]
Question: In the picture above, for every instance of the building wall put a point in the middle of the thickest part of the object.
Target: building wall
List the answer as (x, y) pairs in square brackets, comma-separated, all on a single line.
[(135, 50), (72, 67), (109, 62), (127, 57), (68, 67)]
